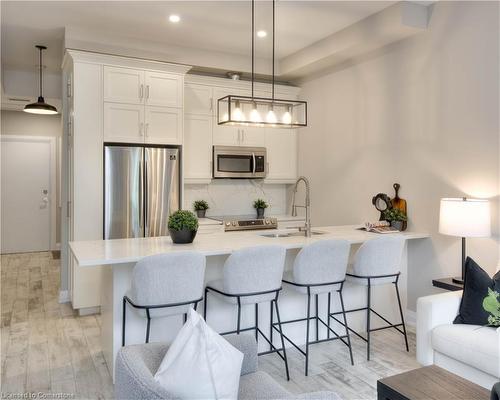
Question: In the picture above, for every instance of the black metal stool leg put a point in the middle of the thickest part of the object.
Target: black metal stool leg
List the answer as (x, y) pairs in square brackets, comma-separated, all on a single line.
[(282, 340), (328, 317), (402, 316), (317, 320), (368, 312), (205, 300), (123, 321), (238, 327), (307, 329), (346, 326), (271, 312), (148, 327), (257, 322)]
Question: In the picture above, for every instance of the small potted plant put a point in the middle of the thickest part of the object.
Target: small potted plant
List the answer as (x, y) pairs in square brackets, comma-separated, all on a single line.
[(260, 205), (396, 217), (182, 226), (201, 207)]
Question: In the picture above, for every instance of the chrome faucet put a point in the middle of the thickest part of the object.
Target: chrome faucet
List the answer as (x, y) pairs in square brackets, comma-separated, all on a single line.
[(307, 206)]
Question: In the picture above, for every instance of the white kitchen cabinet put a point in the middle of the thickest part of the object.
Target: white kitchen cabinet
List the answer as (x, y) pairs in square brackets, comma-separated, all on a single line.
[(164, 90), (123, 85), (163, 125), (198, 99), (253, 136), (123, 123), (281, 147), (197, 148)]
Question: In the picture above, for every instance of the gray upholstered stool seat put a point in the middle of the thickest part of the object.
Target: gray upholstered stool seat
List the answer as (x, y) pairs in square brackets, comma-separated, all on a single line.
[(218, 286), (288, 277), (252, 276), (320, 268), (165, 285), (377, 262)]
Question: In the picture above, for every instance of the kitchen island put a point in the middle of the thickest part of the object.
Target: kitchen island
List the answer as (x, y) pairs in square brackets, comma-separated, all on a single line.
[(122, 254)]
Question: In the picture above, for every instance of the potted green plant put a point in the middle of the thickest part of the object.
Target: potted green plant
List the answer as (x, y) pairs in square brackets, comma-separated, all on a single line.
[(182, 226), (201, 207), (396, 217), (260, 205)]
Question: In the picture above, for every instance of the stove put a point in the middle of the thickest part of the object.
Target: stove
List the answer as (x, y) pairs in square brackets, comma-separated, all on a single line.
[(246, 222)]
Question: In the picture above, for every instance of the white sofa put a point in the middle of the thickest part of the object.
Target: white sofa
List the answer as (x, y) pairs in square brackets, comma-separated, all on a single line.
[(470, 351)]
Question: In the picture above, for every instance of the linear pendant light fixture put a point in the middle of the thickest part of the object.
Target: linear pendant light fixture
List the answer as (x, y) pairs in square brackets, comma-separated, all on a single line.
[(40, 107), (261, 111)]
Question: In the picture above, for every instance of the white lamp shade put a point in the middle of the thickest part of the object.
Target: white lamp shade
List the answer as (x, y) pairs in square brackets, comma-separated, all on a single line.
[(465, 218)]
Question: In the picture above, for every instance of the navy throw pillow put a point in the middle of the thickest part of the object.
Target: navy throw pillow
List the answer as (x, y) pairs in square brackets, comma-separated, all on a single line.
[(476, 284)]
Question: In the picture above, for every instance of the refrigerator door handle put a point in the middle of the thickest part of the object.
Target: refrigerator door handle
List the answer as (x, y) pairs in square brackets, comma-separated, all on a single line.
[(141, 195), (146, 208), (253, 162)]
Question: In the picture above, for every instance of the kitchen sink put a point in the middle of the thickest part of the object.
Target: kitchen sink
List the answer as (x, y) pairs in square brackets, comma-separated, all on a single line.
[(290, 234)]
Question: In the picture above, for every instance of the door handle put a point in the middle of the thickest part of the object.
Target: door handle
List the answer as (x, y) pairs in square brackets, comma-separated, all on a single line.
[(147, 92), (254, 166), (141, 91)]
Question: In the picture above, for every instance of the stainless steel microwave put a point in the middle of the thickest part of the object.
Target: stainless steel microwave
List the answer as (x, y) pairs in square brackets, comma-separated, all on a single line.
[(239, 162)]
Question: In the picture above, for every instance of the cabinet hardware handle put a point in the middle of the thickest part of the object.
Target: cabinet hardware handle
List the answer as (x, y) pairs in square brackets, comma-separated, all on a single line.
[(147, 92), (68, 88), (211, 103), (141, 126), (141, 91)]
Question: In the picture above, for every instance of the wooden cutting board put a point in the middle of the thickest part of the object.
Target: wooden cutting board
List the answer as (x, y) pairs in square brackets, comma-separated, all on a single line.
[(399, 203)]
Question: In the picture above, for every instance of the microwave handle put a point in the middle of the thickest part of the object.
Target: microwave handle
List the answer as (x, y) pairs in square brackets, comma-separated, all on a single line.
[(254, 166)]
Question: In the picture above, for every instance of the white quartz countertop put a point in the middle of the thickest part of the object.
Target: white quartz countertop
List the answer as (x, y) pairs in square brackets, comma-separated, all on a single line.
[(119, 251)]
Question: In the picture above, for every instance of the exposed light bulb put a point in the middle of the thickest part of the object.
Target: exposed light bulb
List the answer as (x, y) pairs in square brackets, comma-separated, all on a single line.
[(174, 18), (271, 116), (237, 114), (287, 117), (254, 114)]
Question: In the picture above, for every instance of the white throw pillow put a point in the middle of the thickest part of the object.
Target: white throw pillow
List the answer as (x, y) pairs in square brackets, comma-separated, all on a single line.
[(200, 363)]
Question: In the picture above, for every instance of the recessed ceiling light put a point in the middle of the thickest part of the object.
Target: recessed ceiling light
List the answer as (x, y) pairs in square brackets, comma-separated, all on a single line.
[(261, 34), (174, 18)]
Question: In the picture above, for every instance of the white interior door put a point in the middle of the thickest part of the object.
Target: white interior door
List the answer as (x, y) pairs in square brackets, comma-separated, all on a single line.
[(26, 194)]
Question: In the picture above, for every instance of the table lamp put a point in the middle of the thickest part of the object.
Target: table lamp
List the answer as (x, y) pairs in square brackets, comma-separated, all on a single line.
[(464, 218)]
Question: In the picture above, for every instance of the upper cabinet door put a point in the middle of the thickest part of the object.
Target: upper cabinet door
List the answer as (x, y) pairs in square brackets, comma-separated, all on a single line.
[(198, 99), (197, 148), (123, 123), (123, 85), (281, 147), (163, 125), (163, 90)]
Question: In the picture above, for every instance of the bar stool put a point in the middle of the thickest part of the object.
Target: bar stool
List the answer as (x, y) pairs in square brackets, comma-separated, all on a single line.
[(377, 262), (165, 285), (320, 268), (252, 276)]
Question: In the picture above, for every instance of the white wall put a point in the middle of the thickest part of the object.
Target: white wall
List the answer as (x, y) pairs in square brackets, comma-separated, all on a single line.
[(235, 197), (424, 113), (24, 124)]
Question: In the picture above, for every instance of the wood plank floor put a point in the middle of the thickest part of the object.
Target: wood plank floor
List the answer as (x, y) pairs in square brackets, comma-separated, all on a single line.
[(46, 347)]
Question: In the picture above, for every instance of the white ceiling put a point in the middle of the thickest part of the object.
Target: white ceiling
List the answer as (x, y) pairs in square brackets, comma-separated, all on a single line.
[(222, 26)]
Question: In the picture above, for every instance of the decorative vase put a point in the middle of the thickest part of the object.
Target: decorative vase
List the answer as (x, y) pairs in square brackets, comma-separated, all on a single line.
[(183, 236), (260, 213), (397, 225), (201, 213)]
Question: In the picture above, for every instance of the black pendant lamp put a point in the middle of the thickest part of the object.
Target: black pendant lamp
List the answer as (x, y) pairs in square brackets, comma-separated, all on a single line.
[(40, 107), (261, 111)]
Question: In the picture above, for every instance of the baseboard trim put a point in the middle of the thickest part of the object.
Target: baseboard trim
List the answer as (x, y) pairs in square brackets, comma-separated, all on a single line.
[(64, 296), (411, 318)]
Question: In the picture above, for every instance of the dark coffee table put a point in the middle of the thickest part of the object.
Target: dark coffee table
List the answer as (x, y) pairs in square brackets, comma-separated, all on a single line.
[(429, 383)]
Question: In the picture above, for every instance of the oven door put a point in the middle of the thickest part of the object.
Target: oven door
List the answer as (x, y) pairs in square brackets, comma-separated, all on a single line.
[(239, 162)]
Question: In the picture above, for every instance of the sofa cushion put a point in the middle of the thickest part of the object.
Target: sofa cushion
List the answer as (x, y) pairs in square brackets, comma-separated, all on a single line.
[(476, 285), (474, 345), (260, 385)]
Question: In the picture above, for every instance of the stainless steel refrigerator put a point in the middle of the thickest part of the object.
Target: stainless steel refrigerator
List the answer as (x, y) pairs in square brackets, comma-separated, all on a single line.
[(141, 190)]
